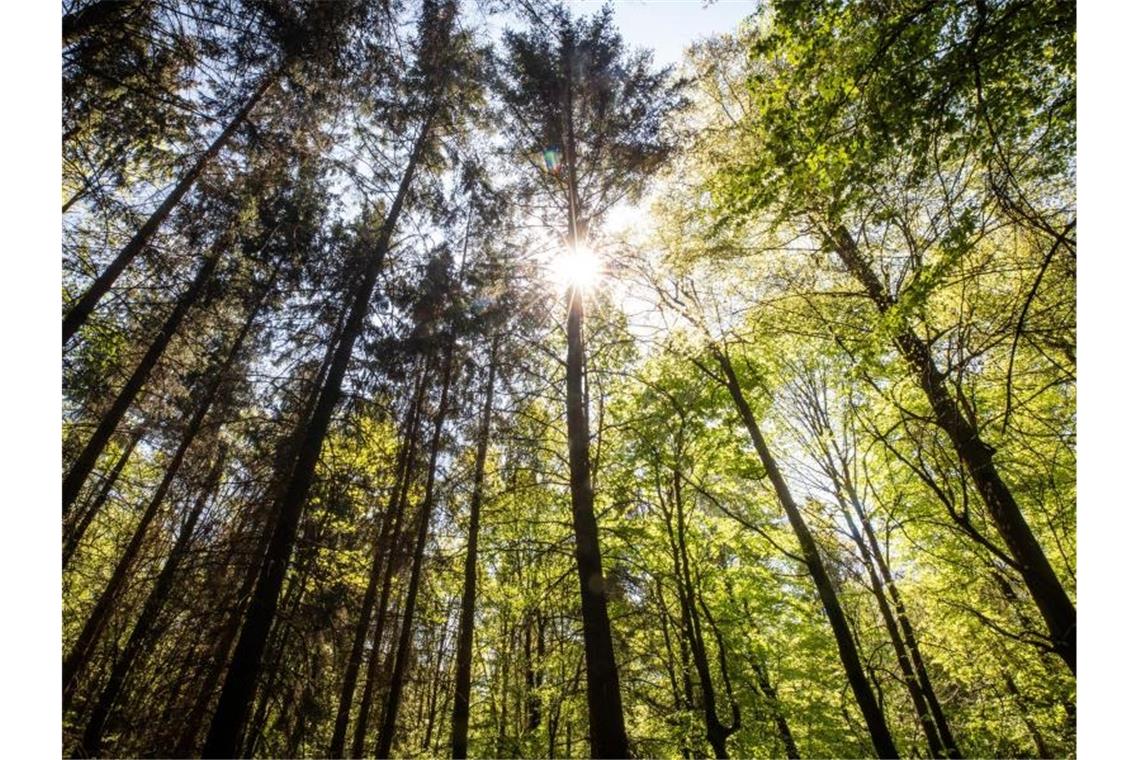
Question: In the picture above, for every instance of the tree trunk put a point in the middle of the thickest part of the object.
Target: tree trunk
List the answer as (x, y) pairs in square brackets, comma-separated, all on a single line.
[(383, 540), (460, 716), (848, 652), (396, 509), (918, 699), (769, 691), (84, 644), (403, 647), (944, 732), (284, 461), (603, 693), (245, 666), (83, 306), (92, 743), (75, 535), (85, 462), (1050, 596), (716, 732)]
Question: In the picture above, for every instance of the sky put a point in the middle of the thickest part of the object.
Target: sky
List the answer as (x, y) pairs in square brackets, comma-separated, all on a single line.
[(663, 26), (667, 26)]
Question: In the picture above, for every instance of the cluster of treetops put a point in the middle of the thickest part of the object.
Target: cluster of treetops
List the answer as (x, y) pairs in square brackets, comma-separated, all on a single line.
[(346, 474)]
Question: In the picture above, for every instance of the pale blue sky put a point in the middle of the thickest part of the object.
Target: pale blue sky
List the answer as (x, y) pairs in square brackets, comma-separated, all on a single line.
[(663, 26), (667, 26)]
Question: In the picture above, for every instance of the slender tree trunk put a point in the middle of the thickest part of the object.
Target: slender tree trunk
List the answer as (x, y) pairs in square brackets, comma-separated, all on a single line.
[(245, 666), (75, 535), (84, 644), (292, 598), (918, 699), (403, 647), (848, 652), (1019, 699), (284, 461), (716, 732), (461, 714), (92, 743), (436, 683), (944, 732), (396, 509), (85, 462), (1050, 596), (603, 693), (383, 539), (83, 306)]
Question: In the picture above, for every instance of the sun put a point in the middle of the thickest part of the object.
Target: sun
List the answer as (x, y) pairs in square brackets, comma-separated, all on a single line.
[(578, 267)]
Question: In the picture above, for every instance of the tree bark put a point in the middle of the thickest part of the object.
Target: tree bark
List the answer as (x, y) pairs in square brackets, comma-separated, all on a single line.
[(1044, 586), (461, 714), (403, 647), (848, 652), (245, 666), (603, 693), (81, 309), (85, 462)]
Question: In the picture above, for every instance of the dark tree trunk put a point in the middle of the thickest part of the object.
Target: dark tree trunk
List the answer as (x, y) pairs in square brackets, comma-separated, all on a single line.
[(944, 732), (914, 689), (1019, 699), (1050, 596), (403, 646), (284, 461), (461, 714), (75, 535), (603, 692), (607, 724), (383, 540), (83, 306), (81, 650), (848, 651), (85, 462), (92, 744), (245, 666)]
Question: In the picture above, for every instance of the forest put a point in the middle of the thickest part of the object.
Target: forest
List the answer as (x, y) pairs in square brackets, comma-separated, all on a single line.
[(448, 379)]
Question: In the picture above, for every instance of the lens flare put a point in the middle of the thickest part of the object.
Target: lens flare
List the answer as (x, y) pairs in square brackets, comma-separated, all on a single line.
[(578, 268)]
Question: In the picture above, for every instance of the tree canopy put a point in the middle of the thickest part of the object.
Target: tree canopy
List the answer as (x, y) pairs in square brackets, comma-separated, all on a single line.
[(454, 380)]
